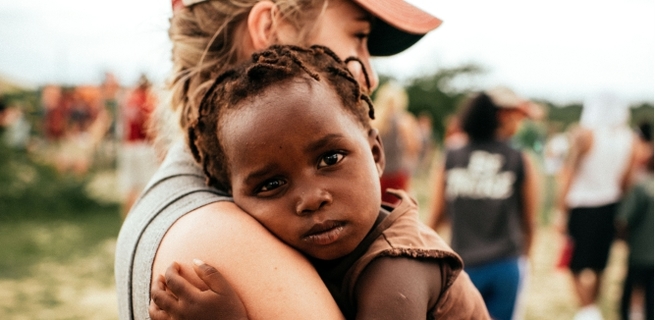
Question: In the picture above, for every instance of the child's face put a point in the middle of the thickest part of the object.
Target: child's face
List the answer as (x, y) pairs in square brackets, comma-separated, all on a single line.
[(304, 167)]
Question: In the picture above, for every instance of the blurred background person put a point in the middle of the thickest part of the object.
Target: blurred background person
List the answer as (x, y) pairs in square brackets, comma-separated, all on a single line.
[(635, 223), (401, 138), (137, 161), (110, 94), (427, 147), (454, 136), (86, 122), (14, 127), (591, 183), (489, 192), (54, 119)]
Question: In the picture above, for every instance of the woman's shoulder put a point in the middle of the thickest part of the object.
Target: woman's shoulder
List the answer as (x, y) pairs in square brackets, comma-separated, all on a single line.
[(250, 257)]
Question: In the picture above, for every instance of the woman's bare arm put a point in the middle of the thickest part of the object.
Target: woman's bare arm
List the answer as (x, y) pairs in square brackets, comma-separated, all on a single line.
[(273, 280), (530, 200)]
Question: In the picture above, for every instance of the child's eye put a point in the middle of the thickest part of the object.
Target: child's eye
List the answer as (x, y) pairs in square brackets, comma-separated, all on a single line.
[(271, 185), (330, 159)]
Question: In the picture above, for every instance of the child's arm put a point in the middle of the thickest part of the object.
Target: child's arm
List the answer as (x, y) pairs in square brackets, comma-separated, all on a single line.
[(174, 297), (398, 288)]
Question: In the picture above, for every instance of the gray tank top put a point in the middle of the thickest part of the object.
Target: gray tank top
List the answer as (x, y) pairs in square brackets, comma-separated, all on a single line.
[(483, 199), (177, 188)]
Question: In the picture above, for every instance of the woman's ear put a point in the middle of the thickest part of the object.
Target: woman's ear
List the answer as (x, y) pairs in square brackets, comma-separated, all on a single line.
[(260, 24), (377, 149)]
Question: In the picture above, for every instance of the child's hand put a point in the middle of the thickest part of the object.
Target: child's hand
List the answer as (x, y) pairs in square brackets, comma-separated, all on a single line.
[(174, 297)]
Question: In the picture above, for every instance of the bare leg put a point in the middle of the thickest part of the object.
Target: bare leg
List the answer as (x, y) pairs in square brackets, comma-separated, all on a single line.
[(587, 286)]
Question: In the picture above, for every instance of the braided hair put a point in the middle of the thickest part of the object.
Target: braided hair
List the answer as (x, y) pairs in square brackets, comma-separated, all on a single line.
[(266, 68)]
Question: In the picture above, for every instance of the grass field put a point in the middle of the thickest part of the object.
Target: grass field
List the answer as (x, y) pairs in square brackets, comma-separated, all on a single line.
[(58, 265)]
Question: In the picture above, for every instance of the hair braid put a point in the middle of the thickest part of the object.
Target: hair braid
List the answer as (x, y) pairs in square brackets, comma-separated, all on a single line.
[(368, 80), (265, 69)]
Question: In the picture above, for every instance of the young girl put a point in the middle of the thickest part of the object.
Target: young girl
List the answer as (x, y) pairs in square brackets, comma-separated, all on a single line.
[(177, 216), (289, 135)]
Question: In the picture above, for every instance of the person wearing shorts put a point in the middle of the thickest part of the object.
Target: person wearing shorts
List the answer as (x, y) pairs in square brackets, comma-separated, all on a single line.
[(592, 182)]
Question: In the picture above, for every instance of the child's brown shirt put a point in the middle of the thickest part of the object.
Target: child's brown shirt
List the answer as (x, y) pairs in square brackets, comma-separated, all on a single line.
[(400, 234)]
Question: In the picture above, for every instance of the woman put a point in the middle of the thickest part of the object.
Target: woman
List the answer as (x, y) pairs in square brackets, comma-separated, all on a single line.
[(177, 217), (591, 183), (401, 138), (489, 191)]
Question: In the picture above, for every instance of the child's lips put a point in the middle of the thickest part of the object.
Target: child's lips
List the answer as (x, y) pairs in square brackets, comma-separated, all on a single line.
[(324, 233)]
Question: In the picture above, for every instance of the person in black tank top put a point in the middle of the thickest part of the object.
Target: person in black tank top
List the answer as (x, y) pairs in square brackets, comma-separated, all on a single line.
[(488, 190)]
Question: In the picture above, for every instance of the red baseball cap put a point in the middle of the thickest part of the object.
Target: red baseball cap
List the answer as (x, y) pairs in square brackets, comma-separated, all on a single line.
[(398, 27)]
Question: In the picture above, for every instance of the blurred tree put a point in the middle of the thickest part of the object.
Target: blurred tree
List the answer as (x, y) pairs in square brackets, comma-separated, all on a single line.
[(565, 115), (569, 114), (641, 113)]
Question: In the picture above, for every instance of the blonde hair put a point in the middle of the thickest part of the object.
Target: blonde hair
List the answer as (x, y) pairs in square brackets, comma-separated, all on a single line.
[(206, 42), (390, 99)]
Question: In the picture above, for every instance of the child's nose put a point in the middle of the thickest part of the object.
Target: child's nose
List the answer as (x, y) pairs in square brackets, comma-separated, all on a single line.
[(312, 200)]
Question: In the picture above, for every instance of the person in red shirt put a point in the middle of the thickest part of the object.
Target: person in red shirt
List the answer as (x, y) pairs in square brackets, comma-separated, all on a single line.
[(137, 161)]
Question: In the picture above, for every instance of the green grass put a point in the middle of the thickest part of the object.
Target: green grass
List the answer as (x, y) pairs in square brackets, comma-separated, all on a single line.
[(57, 244), (25, 243)]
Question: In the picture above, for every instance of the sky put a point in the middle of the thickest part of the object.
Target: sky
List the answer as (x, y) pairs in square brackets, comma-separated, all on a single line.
[(558, 50)]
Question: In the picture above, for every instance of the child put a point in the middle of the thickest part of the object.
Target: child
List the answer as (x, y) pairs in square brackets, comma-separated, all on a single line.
[(635, 222), (289, 135)]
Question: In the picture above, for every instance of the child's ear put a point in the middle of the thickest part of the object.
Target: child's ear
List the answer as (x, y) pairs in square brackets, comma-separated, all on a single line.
[(377, 149), (260, 24)]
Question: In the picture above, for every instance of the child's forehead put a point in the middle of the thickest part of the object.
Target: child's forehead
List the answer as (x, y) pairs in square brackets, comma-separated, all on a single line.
[(291, 123)]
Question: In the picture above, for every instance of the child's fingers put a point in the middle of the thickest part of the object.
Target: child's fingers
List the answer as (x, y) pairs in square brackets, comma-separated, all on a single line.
[(156, 313), (160, 285), (178, 285), (160, 297), (212, 278)]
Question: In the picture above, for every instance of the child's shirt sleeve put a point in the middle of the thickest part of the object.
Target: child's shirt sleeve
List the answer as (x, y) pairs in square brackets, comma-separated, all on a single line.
[(406, 240)]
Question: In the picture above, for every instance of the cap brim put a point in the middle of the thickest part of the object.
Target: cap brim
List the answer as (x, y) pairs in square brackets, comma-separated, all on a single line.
[(399, 25)]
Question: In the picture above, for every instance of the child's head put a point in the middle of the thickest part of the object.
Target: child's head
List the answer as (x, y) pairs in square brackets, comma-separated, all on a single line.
[(289, 135)]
